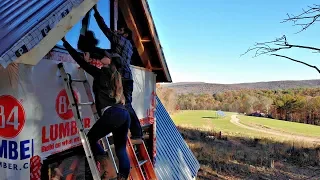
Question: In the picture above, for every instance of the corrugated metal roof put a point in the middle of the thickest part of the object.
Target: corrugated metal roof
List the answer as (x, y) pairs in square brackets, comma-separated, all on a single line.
[(174, 159), (24, 23)]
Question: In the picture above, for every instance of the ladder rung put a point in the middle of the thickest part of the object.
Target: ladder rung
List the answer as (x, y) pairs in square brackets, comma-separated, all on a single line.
[(142, 162), (146, 136), (146, 126), (85, 104), (79, 80), (136, 141)]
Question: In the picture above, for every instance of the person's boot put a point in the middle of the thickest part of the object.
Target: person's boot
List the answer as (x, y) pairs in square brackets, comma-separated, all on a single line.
[(107, 169), (120, 177)]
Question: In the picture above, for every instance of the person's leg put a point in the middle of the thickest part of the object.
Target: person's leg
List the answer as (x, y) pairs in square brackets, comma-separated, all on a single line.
[(120, 136), (99, 130), (135, 126)]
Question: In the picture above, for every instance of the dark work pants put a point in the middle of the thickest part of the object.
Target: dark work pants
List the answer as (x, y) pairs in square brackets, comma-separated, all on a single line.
[(117, 121), (135, 126)]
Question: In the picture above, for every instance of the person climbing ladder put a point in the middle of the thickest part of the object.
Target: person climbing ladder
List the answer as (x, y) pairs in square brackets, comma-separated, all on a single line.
[(109, 99), (122, 46)]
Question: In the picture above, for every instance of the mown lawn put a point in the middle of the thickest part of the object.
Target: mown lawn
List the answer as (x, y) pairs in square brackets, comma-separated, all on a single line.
[(285, 126), (207, 120)]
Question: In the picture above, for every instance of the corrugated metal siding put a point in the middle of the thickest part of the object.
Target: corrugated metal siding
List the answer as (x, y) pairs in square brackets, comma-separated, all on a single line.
[(24, 23), (174, 159)]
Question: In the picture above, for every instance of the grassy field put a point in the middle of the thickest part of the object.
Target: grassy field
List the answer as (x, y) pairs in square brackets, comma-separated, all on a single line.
[(206, 120), (238, 156), (285, 126)]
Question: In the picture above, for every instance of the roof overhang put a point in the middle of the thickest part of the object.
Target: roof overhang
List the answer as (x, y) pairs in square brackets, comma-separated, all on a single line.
[(59, 22), (49, 27), (145, 37)]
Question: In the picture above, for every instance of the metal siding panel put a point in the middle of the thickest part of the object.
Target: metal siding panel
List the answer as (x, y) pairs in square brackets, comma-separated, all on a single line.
[(178, 136), (174, 159), (164, 141), (169, 136)]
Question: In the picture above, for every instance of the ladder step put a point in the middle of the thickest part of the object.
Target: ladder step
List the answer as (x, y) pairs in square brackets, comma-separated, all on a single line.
[(146, 126), (79, 80), (146, 136), (85, 104), (141, 163), (136, 141)]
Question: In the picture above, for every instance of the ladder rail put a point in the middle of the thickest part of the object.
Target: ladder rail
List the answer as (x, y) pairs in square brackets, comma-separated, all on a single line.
[(136, 171), (106, 144), (105, 141), (148, 166), (140, 169), (84, 140)]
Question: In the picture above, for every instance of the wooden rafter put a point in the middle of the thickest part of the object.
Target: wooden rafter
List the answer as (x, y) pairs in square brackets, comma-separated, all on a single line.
[(145, 40), (126, 11)]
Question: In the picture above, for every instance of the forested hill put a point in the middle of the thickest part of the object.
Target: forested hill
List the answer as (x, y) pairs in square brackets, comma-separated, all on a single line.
[(200, 87)]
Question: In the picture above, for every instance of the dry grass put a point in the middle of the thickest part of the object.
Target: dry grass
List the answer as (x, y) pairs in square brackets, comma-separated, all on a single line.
[(242, 158)]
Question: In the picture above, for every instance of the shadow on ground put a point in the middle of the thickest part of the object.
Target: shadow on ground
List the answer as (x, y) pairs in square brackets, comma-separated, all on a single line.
[(245, 158), (210, 117)]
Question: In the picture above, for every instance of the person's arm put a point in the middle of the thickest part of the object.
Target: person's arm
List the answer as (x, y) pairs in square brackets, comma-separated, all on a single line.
[(118, 61), (93, 71), (85, 23), (102, 25)]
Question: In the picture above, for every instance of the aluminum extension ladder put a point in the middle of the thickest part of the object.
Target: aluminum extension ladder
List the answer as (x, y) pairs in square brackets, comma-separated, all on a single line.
[(77, 115)]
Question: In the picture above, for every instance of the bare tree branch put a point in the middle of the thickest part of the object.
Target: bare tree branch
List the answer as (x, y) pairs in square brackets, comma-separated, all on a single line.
[(276, 45), (301, 62), (306, 18)]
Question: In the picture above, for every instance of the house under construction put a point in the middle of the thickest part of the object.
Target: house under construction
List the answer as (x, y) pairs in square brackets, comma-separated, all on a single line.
[(38, 129)]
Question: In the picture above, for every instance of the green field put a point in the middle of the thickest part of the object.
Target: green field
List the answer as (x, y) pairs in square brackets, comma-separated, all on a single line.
[(284, 126), (207, 120)]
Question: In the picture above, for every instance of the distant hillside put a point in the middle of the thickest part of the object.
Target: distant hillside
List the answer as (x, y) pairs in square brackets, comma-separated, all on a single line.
[(200, 87)]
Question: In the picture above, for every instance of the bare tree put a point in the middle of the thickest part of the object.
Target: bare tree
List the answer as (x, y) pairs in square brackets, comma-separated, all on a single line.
[(306, 18), (272, 48)]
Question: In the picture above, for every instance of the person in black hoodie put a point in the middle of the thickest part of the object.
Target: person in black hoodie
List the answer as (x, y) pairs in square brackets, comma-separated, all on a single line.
[(109, 98)]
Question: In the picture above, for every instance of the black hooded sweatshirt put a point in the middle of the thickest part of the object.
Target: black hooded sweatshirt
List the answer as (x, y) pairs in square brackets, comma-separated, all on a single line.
[(101, 84)]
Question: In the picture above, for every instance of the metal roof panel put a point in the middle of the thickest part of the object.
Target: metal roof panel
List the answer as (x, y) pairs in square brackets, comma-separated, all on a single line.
[(25, 23), (18, 17)]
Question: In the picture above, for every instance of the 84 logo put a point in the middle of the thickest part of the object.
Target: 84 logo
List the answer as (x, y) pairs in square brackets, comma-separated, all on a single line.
[(63, 106), (12, 116)]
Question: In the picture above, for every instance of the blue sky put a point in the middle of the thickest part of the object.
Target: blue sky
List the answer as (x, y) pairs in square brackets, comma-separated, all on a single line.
[(203, 41), (73, 35)]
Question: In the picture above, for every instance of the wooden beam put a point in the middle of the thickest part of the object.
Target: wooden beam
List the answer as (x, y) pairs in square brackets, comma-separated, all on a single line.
[(145, 40), (126, 11), (157, 69), (113, 14)]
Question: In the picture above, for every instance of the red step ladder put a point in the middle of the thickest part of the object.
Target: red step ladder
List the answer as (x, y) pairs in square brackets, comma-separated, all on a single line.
[(141, 165)]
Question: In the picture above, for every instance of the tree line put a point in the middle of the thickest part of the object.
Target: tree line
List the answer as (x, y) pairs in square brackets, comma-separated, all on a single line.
[(298, 105)]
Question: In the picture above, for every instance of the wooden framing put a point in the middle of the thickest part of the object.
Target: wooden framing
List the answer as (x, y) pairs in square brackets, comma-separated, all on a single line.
[(126, 11), (149, 40)]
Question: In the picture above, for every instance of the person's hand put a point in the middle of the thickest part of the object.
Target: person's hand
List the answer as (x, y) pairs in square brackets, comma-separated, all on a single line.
[(95, 7), (87, 57)]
